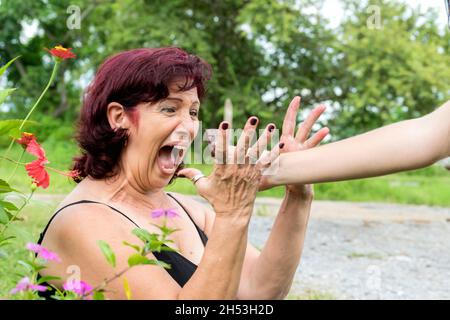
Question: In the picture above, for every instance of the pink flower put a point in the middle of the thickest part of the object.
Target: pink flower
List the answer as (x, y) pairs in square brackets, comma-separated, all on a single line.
[(169, 213), (43, 252), (24, 285), (81, 288)]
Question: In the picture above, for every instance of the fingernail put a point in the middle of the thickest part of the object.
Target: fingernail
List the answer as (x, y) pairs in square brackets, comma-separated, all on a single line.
[(271, 127), (225, 126), (253, 121), (281, 145)]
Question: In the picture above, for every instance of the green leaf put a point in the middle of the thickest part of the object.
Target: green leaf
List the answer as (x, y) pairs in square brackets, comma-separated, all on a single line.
[(167, 248), (47, 279), (4, 93), (137, 259), (98, 295), (135, 247), (107, 252), (3, 254), (4, 241), (4, 217), (5, 187), (15, 133), (7, 125), (3, 69), (29, 267), (143, 234), (8, 205)]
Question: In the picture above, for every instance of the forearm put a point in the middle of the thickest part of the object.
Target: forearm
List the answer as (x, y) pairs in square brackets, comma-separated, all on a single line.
[(273, 272), (221, 264), (401, 146)]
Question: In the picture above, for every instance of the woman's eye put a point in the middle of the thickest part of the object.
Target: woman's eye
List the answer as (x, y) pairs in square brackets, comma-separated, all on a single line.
[(168, 109), (194, 113)]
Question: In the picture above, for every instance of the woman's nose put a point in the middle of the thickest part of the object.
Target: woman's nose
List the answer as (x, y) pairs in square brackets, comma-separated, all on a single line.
[(186, 128)]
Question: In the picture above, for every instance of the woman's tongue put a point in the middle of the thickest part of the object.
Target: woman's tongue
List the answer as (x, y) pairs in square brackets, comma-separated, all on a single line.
[(166, 160)]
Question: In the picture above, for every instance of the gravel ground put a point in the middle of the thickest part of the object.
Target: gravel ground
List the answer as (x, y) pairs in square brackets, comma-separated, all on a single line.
[(365, 250), (368, 250)]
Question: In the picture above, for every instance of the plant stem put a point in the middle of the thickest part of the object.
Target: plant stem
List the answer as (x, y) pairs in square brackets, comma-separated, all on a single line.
[(17, 164), (106, 282), (13, 161), (16, 213), (50, 81)]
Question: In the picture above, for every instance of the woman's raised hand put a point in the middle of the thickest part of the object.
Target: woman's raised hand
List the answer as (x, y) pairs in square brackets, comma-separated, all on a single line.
[(232, 186), (300, 141)]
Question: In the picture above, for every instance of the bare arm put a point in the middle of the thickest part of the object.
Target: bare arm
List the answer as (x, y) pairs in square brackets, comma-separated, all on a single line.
[(397, 147), (272, 271)]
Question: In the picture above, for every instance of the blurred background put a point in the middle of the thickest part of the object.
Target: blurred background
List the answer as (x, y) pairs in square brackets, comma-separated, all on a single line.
[(371, 62)]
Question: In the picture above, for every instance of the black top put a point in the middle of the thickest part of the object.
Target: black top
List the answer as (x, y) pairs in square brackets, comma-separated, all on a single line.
[(181, 269)]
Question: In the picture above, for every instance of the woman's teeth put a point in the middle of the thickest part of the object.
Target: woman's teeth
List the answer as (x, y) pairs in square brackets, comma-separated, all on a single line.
[(170, 157)]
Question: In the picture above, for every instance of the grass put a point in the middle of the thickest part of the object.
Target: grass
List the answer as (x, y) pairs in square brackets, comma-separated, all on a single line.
[(429, 186), (35, 216)]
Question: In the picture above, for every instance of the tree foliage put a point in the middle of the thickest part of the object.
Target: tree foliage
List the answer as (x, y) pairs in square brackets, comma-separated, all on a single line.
[(263, 52)]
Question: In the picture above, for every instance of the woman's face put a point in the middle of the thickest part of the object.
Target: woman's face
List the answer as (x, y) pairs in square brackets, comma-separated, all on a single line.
[(160, 139)]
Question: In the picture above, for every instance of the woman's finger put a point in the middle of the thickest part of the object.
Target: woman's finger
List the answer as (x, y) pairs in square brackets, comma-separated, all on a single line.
[(317, 138), (255, 152), (290, 119), (222, 143), (268, 157), (195, 175), (244, 140), (305, 128)]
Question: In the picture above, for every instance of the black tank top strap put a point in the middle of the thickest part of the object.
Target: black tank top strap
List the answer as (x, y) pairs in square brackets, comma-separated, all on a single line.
[(41, 236), (181, 268), (201, 233)]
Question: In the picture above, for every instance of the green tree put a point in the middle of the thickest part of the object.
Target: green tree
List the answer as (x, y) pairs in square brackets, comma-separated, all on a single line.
[(397, 71)]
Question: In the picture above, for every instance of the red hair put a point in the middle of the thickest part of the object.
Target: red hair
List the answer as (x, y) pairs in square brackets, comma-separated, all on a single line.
[(129, 78)]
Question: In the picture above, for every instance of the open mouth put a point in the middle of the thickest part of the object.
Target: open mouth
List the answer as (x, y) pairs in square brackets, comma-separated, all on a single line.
[(170, 157)]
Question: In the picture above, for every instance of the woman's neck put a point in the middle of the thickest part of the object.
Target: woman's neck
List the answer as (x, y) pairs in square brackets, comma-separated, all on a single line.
[(126, 192)]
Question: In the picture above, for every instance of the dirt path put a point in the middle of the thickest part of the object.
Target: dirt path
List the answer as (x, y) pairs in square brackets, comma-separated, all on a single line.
[(369, 250), (365, 250)]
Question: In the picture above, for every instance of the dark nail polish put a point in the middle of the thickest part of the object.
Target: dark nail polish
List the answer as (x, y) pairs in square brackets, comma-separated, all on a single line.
[(271, 127), (224, 126), (253, 121), (281, 145)]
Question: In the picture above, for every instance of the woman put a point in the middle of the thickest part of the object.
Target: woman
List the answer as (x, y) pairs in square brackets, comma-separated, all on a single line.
[(141, 106), (401, 146)]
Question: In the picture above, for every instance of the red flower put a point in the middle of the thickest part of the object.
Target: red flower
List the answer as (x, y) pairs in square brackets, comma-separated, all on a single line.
[(25, 139), (61, 53), (36, 169)]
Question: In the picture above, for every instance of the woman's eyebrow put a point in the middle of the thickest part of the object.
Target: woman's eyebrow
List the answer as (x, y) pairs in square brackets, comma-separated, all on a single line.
[(181, 100)]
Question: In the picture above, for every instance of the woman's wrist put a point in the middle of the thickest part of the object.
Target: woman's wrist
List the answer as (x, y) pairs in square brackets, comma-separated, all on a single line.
[(299, 193), (233, 219)]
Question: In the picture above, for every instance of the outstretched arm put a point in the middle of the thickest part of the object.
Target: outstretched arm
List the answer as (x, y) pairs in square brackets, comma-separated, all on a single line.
[(401, 146)]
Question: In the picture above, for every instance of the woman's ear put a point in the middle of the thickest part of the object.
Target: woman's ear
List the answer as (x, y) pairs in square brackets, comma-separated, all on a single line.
[(117, 116)]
